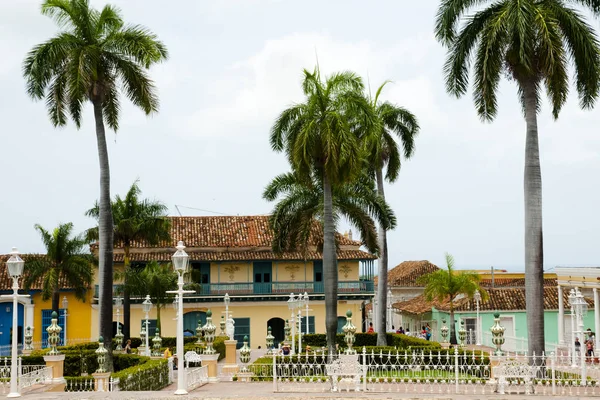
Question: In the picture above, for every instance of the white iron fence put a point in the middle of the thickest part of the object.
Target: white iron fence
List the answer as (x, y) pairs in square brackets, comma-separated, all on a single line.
[(437, 372), (517, 344), (196, 377)]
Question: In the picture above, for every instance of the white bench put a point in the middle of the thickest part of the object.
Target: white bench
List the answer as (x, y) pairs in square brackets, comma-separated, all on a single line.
[(508, 371), (346, 368), (191, 357)]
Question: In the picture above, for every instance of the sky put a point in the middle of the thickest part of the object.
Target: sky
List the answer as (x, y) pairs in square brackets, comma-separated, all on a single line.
[(234, 66)]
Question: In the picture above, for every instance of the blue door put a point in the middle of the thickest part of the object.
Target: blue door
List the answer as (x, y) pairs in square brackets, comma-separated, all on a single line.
[(242, 328), (190, 321), (318, 276), (262, 277), (6, 326)]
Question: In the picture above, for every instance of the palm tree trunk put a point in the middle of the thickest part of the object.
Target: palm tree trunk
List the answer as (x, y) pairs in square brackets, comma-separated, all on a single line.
[(105, 228), (534, 252), (330, 273), (453, 340), (382, 279), (56, 300), (126, 298), (158, 307)]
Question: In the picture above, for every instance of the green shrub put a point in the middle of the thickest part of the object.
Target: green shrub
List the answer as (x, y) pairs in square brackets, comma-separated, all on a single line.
[(218, 345), (172, 341), (370, 339), (150, 376)]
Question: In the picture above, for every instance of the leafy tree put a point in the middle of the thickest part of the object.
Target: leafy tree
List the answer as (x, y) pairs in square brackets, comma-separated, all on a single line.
[(94, 58), (322, 138), (154, 280), (532, 43), (135, 220), (448, 284), (66, 264), (299, 213), (391, 121)]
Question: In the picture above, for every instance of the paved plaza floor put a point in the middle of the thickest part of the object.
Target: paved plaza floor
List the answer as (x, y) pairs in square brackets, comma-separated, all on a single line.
[(264, 391)]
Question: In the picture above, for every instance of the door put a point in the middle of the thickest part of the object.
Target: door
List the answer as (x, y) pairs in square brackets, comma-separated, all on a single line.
[(318, 276), (341, 322), (262, 277), (277, 330), (242, 328), (511, 342), (190, 321), (471, 327)]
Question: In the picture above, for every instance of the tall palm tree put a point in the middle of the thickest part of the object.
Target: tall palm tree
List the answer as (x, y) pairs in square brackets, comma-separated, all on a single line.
[(383, 152), (66, 265), (94, 58), (322, 138), (154, 280), (135, 220), (531, 42), (301, 207), (448, 284)]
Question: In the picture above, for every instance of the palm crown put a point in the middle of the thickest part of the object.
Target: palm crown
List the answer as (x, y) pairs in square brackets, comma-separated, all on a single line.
[(530, 41), (87, 60)]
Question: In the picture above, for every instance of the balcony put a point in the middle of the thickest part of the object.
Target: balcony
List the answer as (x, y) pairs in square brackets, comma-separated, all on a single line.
[(273, 288)]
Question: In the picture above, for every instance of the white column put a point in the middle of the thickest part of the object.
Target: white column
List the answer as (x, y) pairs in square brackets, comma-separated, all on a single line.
[(596, 319), (573, 336), (561, 317)]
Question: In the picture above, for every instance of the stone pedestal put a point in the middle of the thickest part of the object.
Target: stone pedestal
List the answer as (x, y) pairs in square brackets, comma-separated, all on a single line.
[(141, 350), (58, 365), (494, 361), (101, 381), (27, 352), (230, 366), (445, 345), (245, 376), (210, 360)]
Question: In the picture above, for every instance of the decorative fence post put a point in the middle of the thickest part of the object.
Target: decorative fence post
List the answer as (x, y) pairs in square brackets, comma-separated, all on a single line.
[(222, 325), (270, 341), (497, 334), (199, 333), (553, 368), (349, 329), (456, 375), (245, 374), (142, 346), (55, 359), (444, 332), (210, 356), (462, 334), (101, 377), (156, 344), (27, 348), (119, 339), (287, 330), (365, 368)]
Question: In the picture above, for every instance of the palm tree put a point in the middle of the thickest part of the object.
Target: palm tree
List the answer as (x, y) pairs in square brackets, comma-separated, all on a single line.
[(154, 280), (299, 213), (448, 284), (135, 220), (531, 42), (322, 138), (66, 265), (391, 121), (94, 58)]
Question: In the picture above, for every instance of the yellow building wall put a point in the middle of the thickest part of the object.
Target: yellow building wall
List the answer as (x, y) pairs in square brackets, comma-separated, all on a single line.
[(237, 272), (348, 270), (292, 271), (79, 316)]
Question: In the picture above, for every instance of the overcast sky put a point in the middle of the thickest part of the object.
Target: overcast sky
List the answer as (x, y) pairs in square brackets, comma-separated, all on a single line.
[(234, 65)]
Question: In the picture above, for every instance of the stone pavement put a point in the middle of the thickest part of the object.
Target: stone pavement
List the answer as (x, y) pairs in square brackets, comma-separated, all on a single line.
[(263, 391)]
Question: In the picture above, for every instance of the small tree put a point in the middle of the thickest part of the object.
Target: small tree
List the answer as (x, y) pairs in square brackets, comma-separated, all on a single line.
[(66, 265), (448, 284)]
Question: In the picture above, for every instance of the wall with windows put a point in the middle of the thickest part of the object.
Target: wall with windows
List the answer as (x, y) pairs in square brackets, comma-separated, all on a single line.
[(79, 319)]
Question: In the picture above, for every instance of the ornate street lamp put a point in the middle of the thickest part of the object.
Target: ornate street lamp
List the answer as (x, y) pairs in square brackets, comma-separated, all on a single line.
[(15, 266), (119, 334), (477, 298), (389, 311), (147, 305), (226, 300), (180, 263), (292, 305), (579, 308), (306, 300), (65, 306)]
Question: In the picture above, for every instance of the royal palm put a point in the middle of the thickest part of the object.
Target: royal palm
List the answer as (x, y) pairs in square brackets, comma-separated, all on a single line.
[(534, 43), (66, 265), (392, 121), (321, 137), (95, 58)]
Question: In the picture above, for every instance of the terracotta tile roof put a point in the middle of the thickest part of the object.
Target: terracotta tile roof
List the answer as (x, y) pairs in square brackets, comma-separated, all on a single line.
[(243, 256), (6, 280), (505, 299), (512, 282), (406, 273), (226, 231)]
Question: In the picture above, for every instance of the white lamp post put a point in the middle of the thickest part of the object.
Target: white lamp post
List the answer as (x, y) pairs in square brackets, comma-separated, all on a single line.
[(477, 297), (293, 303), (147, 304), (580, 307), (306, 305), (180, 262), (226, 300), (65, 306), (15, 270), (389, 310)]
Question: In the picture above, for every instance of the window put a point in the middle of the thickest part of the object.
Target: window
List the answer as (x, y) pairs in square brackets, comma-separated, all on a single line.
[(242, 328), (47, 321), (311, 324), (151, 326), (201, 273)]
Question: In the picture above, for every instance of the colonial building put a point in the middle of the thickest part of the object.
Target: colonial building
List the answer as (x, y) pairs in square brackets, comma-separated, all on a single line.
[(232, 255)]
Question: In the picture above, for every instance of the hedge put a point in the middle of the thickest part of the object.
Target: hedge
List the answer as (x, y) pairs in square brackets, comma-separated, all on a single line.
[(369, 339), (218, 345), (150, 376)]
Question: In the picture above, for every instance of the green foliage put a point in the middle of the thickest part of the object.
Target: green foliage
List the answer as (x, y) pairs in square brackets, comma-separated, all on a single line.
[(394, 340), (149, 376), (66, 262), (218, 345)]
